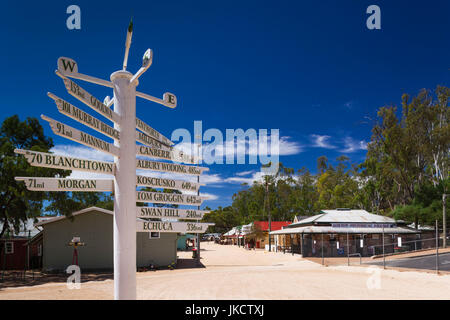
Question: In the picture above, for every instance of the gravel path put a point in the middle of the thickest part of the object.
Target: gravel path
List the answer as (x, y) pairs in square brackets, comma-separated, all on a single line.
[(235, 273)]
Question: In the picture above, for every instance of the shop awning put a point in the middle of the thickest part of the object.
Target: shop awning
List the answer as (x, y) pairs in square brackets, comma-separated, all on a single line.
[(336, 230)]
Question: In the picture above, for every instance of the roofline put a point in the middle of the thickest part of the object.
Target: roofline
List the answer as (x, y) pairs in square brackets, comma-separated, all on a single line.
[(75, 214)]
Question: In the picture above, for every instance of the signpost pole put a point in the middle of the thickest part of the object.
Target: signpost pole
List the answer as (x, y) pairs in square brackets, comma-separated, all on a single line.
[(125, 188), (198, 194), (384, 258)]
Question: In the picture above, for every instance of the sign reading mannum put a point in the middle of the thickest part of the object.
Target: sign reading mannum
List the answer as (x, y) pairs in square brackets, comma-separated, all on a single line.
[(68, 132)]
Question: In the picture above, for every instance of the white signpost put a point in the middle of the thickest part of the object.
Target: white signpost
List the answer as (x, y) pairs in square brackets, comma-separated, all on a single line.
[(125, 163)]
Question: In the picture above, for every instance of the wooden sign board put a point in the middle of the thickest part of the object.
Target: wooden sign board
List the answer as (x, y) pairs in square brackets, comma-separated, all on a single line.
[(76, 135), (67, 184), (79, 115), (169, 167), (165, 183), (151, 142), (174, 155), (91, 101), (158, 213), (49, 160), (174, 227), (169, 198)]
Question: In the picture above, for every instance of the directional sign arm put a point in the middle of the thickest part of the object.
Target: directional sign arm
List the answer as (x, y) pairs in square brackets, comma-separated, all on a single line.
[(147, 60), (169, 100), (79, 115), (174, 227), (88, 99), (50, 160), (67, 184), (76, 135)]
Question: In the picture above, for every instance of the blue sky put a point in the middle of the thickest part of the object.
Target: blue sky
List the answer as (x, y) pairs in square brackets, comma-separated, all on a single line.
[(311, 69)]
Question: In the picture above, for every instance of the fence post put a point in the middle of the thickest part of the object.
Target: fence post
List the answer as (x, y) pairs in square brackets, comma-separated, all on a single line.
[(348, 252), (384, 258), (322, 248), (437, 248)]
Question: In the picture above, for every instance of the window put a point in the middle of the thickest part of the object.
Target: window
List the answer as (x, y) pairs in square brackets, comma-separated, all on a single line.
[(154, 235), (9, 247)]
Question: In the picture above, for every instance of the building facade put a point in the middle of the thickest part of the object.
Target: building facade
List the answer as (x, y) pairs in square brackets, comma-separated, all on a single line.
[(94, 227)]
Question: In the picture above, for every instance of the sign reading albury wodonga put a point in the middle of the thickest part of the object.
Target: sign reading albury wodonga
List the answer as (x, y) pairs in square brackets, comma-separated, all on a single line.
[(67, 184), (175, 227), (169, 198), (169, 167), (158, 213), (76, 135), (49, 160), (79, 115), (165, 183), (174, 155)]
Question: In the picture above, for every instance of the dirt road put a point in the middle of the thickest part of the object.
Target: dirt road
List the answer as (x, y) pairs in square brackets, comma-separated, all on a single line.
[(235, 273)]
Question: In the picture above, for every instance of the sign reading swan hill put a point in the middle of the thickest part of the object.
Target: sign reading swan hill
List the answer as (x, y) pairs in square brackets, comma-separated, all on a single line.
[(154, 182), (73, 134), (169, 198), (173, 213), (67, 184), (49, 160), (169, 226), (126, 132)]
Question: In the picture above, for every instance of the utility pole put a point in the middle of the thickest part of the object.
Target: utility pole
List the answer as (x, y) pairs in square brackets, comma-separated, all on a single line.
[(444, 223), (268, 212)]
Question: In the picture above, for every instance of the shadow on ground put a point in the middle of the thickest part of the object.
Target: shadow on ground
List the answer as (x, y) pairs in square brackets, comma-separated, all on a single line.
[(13, 279), (189, 264)]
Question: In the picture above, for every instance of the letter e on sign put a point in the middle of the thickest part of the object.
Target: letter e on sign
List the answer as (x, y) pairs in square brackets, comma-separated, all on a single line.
[(170, 100), (74, 20)]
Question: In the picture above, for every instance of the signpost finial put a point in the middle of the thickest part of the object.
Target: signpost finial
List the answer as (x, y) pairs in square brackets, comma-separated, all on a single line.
[(128, 44)]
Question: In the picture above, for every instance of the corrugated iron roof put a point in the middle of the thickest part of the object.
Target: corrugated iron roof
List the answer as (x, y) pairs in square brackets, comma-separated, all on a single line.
[(329, 229), (344, 216)]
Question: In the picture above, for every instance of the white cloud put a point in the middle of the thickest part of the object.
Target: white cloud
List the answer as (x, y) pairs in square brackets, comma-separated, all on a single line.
[(257, 176), (320, 141), (244, 173)]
